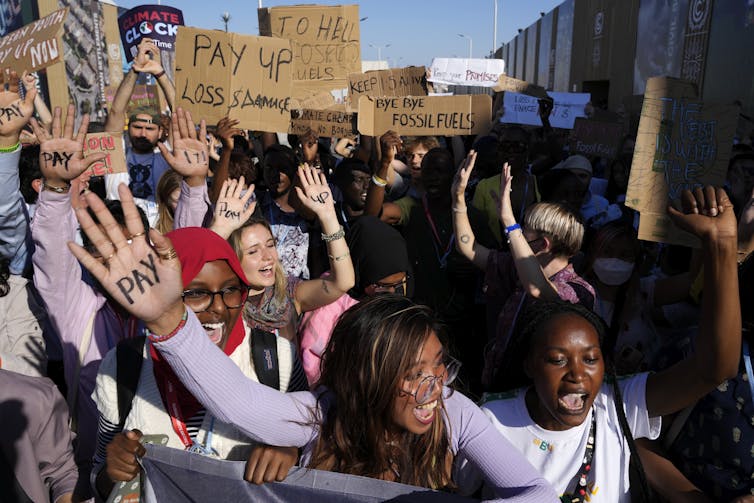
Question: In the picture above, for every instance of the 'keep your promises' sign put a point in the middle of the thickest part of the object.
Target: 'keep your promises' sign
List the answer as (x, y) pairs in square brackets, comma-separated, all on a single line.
[(245, 77), (424, 115)]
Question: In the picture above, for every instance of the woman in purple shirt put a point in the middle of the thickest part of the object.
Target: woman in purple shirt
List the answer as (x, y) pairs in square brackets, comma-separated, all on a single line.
[(382, 409)]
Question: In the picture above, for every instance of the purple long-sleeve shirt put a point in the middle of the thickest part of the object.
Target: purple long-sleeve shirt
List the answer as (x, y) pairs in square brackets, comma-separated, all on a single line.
[(275, 418)]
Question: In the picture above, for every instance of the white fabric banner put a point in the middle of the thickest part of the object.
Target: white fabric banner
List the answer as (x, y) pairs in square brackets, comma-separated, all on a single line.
[(523, 109)]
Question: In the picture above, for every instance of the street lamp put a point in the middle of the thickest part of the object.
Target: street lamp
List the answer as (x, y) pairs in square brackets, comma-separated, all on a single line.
[(379, 50), (471, 43), (225, 17)]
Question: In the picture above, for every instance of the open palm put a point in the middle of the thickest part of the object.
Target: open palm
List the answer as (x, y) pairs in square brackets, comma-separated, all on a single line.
[(190, 156)]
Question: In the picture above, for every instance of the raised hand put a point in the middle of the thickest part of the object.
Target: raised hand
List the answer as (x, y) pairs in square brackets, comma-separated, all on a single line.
[(390, 142), (706, 213), (314, 192), (14, 111), (268, 463), (234, 207), (148, 58), (461, 180), (504, 206), (122, 453), (226, 130), (144, 279), (61, 153), (190, 156)]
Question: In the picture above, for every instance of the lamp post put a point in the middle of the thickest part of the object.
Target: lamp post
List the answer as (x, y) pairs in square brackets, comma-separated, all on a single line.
[(471, 43), (225, 17), (379, 50)]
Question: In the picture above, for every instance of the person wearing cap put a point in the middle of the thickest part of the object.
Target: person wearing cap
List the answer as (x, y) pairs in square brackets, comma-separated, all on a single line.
[(595, 209), (144, 164)]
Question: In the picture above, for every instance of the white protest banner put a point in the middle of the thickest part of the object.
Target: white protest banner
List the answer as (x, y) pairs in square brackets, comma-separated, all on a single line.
[(244, 77), (523, 109), (466, 72)]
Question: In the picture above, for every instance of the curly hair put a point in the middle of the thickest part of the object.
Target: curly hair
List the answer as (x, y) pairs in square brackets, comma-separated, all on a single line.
[(372, 347)]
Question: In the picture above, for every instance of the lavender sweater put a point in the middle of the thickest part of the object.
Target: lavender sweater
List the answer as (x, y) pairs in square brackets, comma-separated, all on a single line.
[(275, 418)]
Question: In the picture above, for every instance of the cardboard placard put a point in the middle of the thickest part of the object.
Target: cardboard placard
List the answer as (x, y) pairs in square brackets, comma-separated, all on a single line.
[(523, 109), (409, 81), (591, 137), (333, 123), (245, 77), (682, 143), (34, 46), (110, 143), (466, 72), (144, 97), (510, 84), (157, 22), (425, 115), (325, 39)]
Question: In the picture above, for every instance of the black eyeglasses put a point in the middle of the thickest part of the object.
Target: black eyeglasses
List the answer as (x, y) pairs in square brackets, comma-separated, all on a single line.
[(399, 287), (199, 299), (514, 147)]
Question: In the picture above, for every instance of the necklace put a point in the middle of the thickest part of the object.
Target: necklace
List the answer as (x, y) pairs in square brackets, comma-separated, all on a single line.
[(579, 493)]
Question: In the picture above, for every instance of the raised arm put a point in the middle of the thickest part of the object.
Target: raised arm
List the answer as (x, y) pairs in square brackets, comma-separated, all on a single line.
[(315, 195), (375, 205), (528, 268), (466, 242), (226, 130), (708, 214), (233, 207)]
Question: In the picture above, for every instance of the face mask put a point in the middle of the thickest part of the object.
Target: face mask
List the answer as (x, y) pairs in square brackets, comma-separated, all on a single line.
[(613, 271)]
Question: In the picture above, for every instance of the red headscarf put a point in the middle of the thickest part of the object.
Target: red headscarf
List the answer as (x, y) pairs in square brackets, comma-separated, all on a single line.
[(195, 247)]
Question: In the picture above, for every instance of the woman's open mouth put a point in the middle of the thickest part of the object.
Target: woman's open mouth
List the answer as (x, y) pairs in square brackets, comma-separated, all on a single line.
[(425, 413)]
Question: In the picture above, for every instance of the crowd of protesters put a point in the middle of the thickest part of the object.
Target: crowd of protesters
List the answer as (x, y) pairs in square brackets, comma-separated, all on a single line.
[(466, 314)]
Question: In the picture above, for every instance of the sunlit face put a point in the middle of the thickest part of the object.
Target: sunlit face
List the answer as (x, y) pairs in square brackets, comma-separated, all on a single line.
[(414, 157), (218, 320), (144, 134), (355, 193), (567, 369), (407, 414), (260, 257)]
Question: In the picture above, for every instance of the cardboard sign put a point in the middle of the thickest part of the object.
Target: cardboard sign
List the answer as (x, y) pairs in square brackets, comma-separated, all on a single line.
[(466, 72), (409, 81), (591, 137), (425, 115), (682, 143), (157, 22), (325, 39), (333, 123), (144, 97), (245, 77), (523, 109), (510, 84), (112, 144), (34, 46)]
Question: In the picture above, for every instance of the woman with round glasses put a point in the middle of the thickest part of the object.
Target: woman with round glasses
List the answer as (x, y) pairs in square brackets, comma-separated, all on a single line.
[(215, 290), (364, 418)]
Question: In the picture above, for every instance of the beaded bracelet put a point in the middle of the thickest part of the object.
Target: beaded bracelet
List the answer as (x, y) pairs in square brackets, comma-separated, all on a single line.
[(160, 338), (339, 234)]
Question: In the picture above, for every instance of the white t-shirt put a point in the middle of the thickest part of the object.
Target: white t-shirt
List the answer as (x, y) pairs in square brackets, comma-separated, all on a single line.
[(558, 455)]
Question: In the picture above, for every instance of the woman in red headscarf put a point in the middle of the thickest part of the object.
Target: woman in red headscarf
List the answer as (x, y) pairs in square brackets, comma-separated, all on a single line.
[(137, 391)]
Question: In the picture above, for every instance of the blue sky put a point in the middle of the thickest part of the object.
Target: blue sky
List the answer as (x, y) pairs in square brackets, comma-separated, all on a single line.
[(417, 30)]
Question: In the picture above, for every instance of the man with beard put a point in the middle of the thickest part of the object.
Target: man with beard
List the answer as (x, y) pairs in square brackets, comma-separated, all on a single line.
[(145, 165)]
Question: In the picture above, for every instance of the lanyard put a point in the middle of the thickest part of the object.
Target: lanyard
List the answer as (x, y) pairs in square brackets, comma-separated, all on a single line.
[(747, 363), (437, 242), (580, 491), (176, 418)]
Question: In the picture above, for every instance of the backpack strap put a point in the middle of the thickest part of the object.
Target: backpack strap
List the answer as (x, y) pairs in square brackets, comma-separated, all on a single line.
[(129, 358), (264, 355)]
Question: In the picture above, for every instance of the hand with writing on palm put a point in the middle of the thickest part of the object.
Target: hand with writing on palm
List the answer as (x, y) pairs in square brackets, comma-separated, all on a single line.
[(147, 60), (145, 279), (315, 193), (190, 156), (234, 207), (14, 111), (61, 153)]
